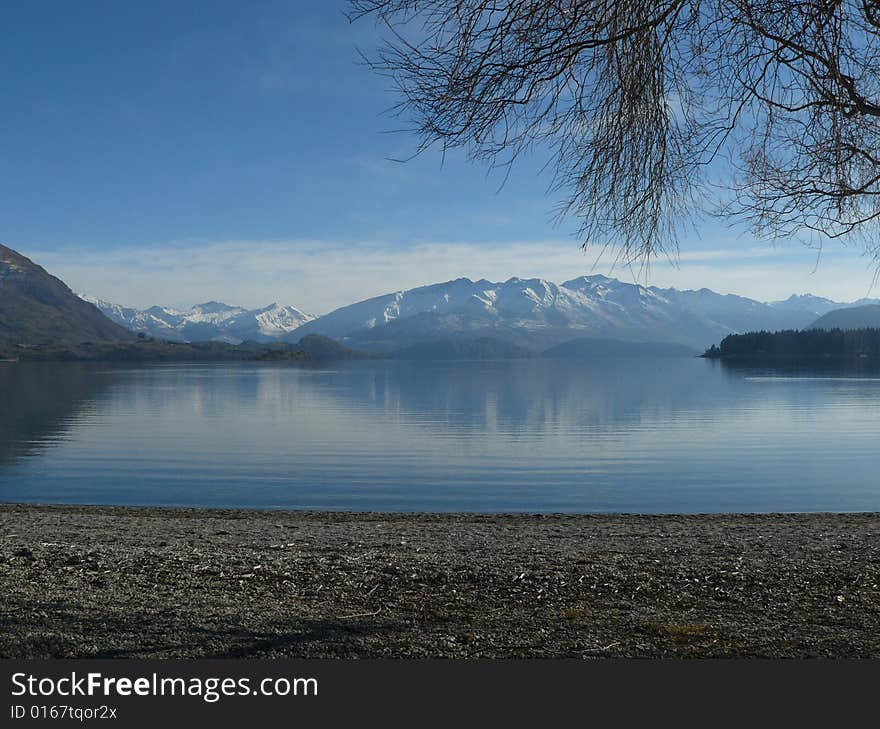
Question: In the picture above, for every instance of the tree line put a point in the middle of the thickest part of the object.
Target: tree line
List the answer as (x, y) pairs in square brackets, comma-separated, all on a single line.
[(794, 344)]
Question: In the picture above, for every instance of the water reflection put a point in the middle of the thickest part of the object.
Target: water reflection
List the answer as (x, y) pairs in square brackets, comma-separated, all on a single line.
[(663, 435), (531, 396), (40, 402)]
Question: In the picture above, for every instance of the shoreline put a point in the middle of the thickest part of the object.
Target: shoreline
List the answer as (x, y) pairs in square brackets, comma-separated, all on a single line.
[(207, 511), (167, 582)]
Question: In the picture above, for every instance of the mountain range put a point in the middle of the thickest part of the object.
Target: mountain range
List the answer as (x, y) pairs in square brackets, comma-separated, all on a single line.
[(210, 321), (516, 316), (530, 313)]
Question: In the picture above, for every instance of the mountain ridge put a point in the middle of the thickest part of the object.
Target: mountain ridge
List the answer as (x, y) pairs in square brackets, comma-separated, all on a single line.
[(586, 306), (864, 316), (36, 308), (210, 321), (527, 312)]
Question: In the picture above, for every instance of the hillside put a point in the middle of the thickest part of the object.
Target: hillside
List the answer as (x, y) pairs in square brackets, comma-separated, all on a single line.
[(591, 348), (38, 309), (481, 348), (312, 349), (316, 347), (856, 317)]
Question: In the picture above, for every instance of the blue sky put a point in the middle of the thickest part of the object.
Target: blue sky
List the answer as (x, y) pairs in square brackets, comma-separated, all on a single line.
[(175, 152)]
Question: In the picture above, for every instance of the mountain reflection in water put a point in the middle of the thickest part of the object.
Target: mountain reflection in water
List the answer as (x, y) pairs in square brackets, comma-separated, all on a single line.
[(665, 435)]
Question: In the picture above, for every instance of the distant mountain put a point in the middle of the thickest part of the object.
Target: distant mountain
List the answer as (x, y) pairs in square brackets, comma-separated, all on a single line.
[(854, 317), (538, 314), (533, 314), (486, 348), (482, 348), (805, 308), (212, 321), (38, 309), (592, 348), (316, 347)]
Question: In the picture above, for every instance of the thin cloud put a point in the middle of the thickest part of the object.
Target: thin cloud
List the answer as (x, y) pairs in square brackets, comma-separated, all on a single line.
[(318, 276)]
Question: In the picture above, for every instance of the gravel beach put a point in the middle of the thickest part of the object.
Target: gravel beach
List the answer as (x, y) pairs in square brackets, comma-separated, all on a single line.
[(169, 583)]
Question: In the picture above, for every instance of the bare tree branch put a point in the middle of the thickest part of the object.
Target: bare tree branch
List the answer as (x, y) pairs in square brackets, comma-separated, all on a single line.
[(637, 100)]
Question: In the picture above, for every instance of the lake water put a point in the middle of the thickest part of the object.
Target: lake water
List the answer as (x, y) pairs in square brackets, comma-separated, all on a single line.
[(668, 435)]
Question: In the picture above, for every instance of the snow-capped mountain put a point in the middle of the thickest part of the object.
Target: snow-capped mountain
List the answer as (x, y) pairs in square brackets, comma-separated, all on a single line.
[(811, 307), (531, 313), (538, 313), (210, 321)]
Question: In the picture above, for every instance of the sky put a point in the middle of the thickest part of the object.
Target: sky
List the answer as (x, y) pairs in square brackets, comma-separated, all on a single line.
[(178, 152)]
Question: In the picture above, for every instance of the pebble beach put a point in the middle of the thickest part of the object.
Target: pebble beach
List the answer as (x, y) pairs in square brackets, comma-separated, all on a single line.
[(114, 582)]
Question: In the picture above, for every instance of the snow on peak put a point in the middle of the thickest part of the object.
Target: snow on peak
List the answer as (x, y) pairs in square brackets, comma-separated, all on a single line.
[(211, 320), (275, 320), (590, 305)]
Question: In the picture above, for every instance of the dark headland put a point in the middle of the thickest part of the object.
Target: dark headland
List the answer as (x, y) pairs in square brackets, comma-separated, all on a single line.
[(123, 582), (807, 347)]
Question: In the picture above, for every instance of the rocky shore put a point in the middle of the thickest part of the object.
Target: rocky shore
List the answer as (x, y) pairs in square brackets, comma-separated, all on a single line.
[(168, 583)]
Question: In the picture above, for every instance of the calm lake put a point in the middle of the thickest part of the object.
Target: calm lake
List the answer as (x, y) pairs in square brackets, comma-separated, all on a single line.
[(666, 435)]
